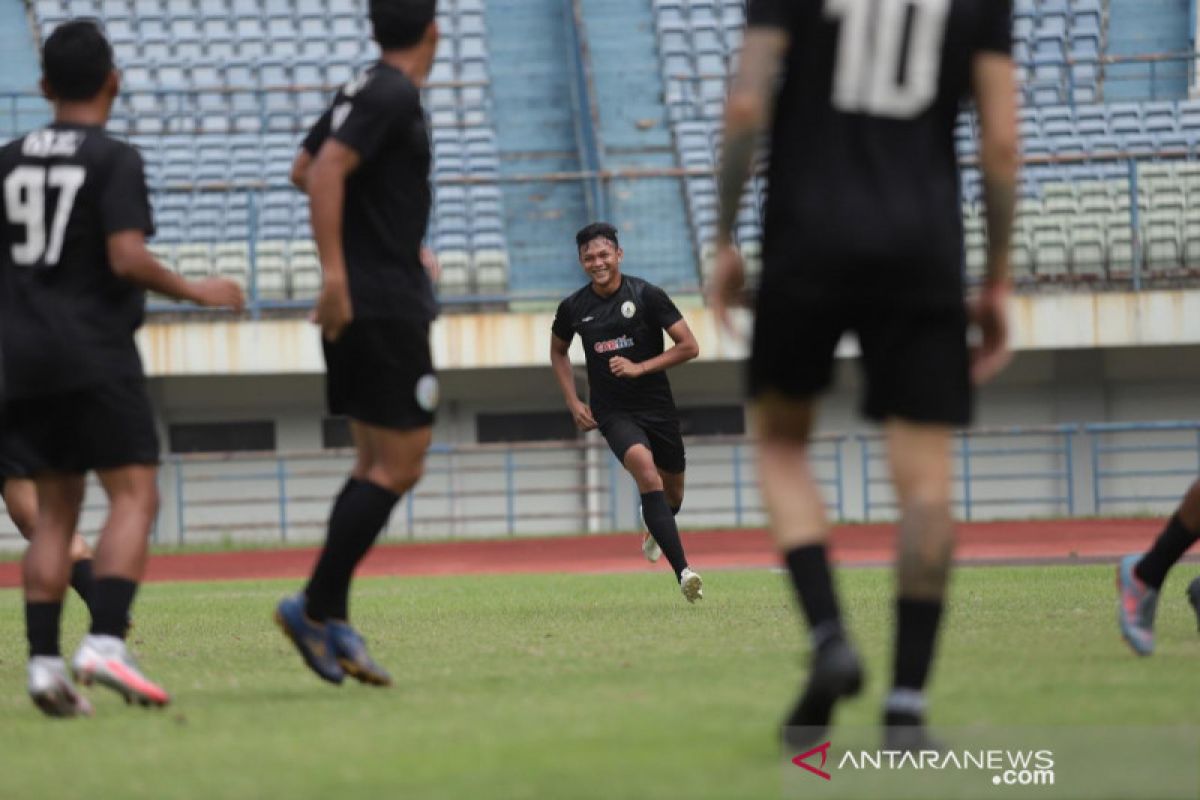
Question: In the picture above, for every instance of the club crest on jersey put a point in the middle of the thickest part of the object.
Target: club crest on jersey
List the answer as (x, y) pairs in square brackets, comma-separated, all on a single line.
[(612, 345), (628, 309)]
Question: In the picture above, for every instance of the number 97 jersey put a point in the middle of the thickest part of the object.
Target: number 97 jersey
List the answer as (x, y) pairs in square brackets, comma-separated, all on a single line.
[(863, 177), (67, 319)]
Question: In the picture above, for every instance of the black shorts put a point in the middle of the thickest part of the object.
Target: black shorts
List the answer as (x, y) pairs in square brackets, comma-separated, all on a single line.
[(381, 372), (915, 360), (101, 427), (659, 432)]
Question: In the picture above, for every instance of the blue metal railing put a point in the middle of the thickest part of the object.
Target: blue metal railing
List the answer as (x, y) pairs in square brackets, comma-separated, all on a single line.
[(1139, 467), (1029, 470)]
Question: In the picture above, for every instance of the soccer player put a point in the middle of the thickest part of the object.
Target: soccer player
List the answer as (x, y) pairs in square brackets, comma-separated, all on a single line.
[(20, 499), (1140, 576), (863, 233), (75, 268), (620, 319), (365, 166)]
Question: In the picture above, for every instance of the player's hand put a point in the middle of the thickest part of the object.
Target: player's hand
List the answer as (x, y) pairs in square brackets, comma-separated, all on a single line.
[(989, 313), (333, 311), (726, 284), (624, 368), (218, 293), (584, 420), (433, 267)]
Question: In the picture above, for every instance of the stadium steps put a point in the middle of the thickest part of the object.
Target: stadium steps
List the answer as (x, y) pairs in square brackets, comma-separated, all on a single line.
[(636, 134), (20, 73), (536, 135)]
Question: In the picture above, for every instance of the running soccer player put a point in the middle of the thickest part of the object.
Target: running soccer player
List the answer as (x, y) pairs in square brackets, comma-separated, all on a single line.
[(365, 166), (863, 233), (620, 319), (75, 268), (1140, 576)]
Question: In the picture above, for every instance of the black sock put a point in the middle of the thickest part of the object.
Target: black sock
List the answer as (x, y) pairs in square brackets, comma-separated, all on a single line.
[(110, 603), (41, 627), (358, 515), (1168, 548), (82, 581), (917, 624), (661, 524), (813, 582)]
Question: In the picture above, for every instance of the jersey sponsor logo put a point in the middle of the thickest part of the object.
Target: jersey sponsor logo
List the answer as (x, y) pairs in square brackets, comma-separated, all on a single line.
[(613, 345), (428, 392), (628, 309), (48, 143)]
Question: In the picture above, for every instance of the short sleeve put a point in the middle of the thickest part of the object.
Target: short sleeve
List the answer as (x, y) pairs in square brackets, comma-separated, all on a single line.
[(318, 133), (660, 305), (995, 34), (562, 327), (363, 121), (124, 198), (770, 13)]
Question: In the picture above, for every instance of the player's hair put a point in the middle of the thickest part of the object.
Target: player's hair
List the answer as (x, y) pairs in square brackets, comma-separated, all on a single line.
[(401, 23), (76, 60), (597, 230)]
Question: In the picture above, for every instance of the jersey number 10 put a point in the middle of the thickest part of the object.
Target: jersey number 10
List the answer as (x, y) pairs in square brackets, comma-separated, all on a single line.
[(25, 204), (888, 56)]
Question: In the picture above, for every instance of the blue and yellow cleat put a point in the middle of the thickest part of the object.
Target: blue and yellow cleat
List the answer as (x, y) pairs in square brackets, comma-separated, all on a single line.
[(1193, 594), (1136, 604), (353, 657), (310, 637)]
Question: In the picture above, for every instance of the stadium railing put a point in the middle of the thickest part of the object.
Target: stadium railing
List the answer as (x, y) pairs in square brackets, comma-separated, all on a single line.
[(1144, 467), (577, 487)]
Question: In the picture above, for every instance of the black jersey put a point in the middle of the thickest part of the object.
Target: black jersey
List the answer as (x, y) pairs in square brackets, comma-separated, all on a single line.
[(863, 178), (629, 323), (68, 320), (379, 116)]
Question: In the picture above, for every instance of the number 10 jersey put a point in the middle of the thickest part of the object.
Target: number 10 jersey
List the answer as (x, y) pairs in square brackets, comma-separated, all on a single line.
[(67, 320), (863, 180)]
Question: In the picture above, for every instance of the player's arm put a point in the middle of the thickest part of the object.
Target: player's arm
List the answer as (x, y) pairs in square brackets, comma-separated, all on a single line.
[(326, 186), (747, 112), (995, 98), (299, 173), (560, 360), (132, 261), (685, 349)]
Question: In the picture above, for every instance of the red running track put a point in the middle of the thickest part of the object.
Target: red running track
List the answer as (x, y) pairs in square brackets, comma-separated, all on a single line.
[(1072, 541)]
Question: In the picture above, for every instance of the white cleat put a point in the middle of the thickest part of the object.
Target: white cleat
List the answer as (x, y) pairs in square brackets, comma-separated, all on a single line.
[(52, 691), (106, 660), (650, 548), (691, 585)]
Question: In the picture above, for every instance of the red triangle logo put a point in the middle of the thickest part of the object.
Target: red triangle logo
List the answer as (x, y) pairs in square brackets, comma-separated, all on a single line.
[(800, 761)]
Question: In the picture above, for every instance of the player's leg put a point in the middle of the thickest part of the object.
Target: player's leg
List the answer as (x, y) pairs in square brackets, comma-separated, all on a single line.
[(1140, 577), (396, 464), (800, 529), (919, 459), (120, 563), (45, 571), (656, 512), (20, 498), (1193, 595), (673, 488), (670, 462)]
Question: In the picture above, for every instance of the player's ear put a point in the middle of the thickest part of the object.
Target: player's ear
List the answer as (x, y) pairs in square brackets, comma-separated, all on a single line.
[(47, 92), (112, 86)]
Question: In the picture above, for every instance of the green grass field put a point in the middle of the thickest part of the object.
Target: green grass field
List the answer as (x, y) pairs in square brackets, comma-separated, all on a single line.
[(599, 686)]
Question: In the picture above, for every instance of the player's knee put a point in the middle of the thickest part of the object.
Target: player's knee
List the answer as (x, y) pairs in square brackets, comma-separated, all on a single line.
[(397, 479), (142, 502)]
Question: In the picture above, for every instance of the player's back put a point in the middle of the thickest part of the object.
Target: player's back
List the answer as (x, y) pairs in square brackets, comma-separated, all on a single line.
[(68, 319), (863, 170)]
